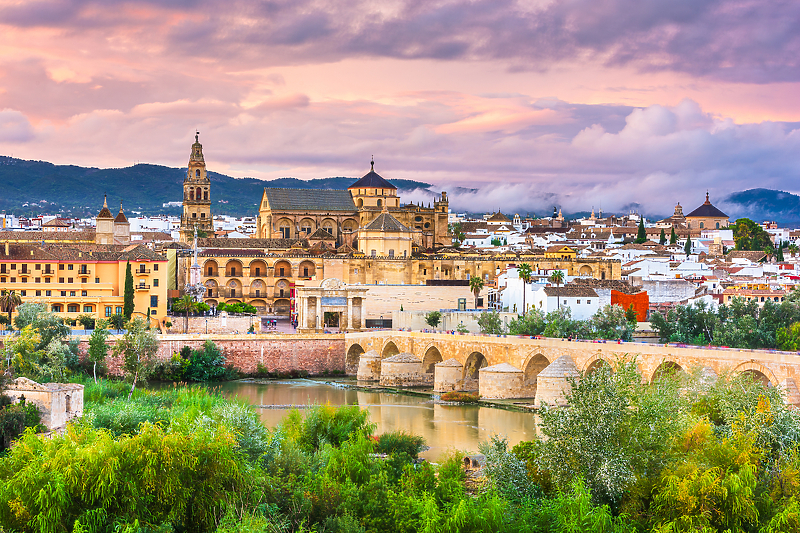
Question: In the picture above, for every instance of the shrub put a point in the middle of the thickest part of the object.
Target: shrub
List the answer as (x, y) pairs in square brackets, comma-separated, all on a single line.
[(327, 424), (14, 419), (400, 442), (463, 397)]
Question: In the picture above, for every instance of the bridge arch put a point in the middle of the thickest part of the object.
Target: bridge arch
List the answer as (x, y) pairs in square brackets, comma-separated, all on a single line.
[(351, 361), (665, 369), (531, 369), (475, 361), (758, 372), (430, 358), (593, 365), (389, 349)]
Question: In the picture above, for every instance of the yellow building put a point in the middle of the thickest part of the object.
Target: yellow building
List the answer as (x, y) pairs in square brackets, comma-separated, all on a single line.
[(385, 236), (74, 279), (560, 251), (298, 213)]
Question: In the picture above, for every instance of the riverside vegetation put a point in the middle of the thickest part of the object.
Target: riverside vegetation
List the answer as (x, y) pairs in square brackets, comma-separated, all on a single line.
[(682, 454)]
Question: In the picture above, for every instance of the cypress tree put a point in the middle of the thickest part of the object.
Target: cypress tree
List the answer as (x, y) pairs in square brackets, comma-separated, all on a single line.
[(663, 239), (641, 236), (779, 255), (673, 239), (127, 309), (688, 247)]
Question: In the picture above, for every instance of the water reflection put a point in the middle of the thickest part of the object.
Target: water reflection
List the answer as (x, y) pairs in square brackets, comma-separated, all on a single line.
[(444, 427)]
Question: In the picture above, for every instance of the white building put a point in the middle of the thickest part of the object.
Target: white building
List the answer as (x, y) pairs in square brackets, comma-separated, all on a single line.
[(583, 302)]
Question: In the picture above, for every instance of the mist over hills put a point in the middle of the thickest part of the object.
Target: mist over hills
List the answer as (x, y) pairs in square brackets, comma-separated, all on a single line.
[(37, 187)]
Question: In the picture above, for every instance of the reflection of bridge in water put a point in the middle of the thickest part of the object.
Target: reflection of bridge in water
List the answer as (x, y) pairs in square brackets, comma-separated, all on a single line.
[(516, 367)]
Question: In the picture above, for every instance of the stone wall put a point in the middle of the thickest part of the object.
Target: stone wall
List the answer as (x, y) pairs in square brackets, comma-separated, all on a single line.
[(384, 299), (314, 354), (450, 320), (214, 324)]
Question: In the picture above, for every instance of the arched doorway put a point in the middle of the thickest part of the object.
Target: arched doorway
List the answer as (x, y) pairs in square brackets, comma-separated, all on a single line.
[(535, 365), (389, 350), (667, 369), (351, 361), (432, 356)]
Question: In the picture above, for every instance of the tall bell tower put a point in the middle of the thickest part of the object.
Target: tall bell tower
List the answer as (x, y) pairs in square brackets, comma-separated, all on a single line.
[(196, 196)]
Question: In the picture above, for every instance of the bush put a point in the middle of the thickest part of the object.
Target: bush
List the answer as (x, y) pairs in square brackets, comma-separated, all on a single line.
[(400, 442), (327, 424), (14, 419), (463, 397)]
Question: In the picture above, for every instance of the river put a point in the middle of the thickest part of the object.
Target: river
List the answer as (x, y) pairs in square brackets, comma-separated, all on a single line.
[(459, 427)]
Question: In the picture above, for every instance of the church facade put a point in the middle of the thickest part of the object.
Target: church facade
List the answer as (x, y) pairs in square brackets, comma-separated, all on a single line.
[(344, 215)]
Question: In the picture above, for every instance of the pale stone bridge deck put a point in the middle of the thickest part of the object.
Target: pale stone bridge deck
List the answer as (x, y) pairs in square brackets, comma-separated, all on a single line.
[(481, 362)]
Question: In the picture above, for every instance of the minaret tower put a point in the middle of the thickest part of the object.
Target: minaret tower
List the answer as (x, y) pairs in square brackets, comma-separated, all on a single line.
[(196, 196)]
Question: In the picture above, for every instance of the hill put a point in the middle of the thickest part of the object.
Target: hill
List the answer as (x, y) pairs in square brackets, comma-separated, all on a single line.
[(36, 187), (764, 204)]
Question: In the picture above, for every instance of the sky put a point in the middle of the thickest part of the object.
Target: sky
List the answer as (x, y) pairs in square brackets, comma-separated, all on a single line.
[(604, 104)]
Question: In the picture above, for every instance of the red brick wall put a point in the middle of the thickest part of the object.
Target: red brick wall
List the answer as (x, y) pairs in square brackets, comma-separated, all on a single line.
[(278, 353), (640, 301)]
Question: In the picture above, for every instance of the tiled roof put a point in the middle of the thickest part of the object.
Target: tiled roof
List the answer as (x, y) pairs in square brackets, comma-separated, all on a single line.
[(81, 252), (231, 252), (247, 243), (321, 235), (613, 284), (570, 290), (38, 236), (309, 200), (498, 217), (372, 180), (752, 255), (55, 223), (707, 210), (386, 222)]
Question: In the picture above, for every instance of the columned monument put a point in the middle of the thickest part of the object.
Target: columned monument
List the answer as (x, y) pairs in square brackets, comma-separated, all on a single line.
[(344, 305)]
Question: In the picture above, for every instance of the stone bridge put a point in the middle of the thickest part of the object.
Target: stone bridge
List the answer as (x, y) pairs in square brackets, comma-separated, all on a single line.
[(521, 367)]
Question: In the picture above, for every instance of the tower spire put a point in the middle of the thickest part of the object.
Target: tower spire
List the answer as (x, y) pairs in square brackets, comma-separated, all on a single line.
[(372, 164)]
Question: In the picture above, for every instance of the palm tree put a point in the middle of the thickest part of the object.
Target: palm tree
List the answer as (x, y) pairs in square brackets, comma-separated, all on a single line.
[(9, 300), (185, 304), (557, 277), (526, 275), (475, 285), (793, 249)]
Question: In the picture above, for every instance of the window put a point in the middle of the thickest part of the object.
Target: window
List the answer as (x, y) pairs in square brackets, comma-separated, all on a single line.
[(118, 310), (579, 302), (285, 232), (155, 267), (588, 302), (72, 293), (380, 203), (72, 308), (305, 272), (61, 267), (23, 280), (70, 280), (39, 293), (13, 280), (258, 271), (38, 267), (69, 267), (63, 293), (47, 280), (153, 300), (97, 280), (87, 309), (61, 280), (38, 280), (84, 280), (702, 225), (23, 293), (202, 215), (155, 311), (374, 253), (56, 308), (108, 310), (194, 215), (717, 225), (424, 271), (48, 293), (2, 280), (84, 293), (280, 271), (391, 252), (155, 282)]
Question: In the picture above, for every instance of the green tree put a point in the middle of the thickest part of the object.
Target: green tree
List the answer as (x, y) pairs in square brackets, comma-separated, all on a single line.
[(557, 278), (490, 322), (630, 315), (779, 252), (86, 320), (530, 324), (788, 338), (127, 306), (611, 322), (525, 273), (185, 304), (793, 249), (751, 236), (673, 237), (50, 326), (117, 321), (475, 286), (641, 235), (688, 246), (602, 452), (9, 300), (433, 318), (98, 349), (662, 240), (138, 348)]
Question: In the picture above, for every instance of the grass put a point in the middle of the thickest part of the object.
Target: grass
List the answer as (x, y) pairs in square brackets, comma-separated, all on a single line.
[(463, 397)]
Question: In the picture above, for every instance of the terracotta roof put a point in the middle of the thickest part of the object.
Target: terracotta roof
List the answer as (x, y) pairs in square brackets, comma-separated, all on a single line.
[(613, 284), (571, 291), (38, 236), (55, 223), (753, 255), (121, 218), (104, 212), (498, 217), (559, 248), (321, 235)]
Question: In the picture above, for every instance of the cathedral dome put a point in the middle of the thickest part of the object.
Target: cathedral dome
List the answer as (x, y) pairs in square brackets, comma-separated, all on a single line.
[(372, 180)]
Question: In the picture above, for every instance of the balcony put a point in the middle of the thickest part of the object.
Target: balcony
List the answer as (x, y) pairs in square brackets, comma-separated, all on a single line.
[(142, 287), (142, 271), (212, 273)]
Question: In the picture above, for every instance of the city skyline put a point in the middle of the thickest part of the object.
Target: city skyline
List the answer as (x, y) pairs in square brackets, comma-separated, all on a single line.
[(578, 104)]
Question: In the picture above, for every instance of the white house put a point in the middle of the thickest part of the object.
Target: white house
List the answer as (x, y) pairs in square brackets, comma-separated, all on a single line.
[(583, 302)]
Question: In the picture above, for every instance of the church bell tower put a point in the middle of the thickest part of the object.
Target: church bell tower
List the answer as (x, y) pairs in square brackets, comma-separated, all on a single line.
[(196, 196)]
